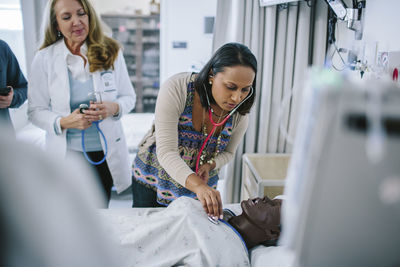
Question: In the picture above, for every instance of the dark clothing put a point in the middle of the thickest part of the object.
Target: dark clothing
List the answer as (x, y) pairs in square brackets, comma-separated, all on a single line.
[(11, 75), (102, 171), (143, 196)]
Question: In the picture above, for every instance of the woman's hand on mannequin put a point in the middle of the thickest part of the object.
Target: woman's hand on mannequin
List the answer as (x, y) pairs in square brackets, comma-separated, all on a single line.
[(75, 120), (209, 197), (100, 111)]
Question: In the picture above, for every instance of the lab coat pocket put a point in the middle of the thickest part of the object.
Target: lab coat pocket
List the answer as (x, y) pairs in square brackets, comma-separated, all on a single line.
[(109, 85)]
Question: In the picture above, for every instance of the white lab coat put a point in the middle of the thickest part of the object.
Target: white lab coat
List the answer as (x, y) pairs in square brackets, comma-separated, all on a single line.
[(49, 97)]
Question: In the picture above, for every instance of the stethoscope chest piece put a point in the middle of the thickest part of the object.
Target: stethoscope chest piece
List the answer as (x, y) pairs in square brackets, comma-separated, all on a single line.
[(212, 220)]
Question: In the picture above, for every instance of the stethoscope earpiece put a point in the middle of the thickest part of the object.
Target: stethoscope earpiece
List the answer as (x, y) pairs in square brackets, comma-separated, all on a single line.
[(233, 110)]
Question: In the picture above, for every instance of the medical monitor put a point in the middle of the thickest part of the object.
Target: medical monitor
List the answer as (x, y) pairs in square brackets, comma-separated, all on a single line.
[(343, 184)]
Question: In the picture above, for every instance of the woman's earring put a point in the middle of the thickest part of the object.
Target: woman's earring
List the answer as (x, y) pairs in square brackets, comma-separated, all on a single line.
[(210, 82), (58, 34)]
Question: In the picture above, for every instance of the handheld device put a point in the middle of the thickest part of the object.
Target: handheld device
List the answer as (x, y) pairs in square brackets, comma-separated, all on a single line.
[(83, 107), (5, 91)]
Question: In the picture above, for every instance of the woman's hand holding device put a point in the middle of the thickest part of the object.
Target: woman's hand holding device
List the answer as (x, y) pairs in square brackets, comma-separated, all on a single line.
[(75, 120), (99, 111)]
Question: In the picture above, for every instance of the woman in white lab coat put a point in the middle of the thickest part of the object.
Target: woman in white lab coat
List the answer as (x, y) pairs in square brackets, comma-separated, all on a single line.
[(77, 64)]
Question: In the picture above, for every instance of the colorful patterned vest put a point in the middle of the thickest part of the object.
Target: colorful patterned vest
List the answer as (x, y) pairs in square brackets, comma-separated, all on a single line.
[(148, 171)]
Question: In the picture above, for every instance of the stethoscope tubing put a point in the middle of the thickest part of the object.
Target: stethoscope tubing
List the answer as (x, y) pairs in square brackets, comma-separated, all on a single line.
[(215, 125), (96, 123)]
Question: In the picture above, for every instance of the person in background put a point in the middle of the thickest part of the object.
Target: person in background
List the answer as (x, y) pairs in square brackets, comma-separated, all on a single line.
[(77, 64), (189, 107), (13, 84)]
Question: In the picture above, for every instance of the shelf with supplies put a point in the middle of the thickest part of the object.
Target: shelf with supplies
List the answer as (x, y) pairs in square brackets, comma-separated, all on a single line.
[(263, 174), (139, 36)]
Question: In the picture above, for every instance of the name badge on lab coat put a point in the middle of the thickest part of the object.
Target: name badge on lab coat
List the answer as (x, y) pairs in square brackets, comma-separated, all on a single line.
[(108, 81)]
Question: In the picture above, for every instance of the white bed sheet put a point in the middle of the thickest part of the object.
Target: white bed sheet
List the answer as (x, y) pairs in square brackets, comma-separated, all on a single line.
[(279, 256), (180, 235), (260, 256)]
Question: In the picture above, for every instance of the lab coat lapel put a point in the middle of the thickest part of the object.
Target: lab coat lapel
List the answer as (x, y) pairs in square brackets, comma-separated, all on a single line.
[(60, 84)]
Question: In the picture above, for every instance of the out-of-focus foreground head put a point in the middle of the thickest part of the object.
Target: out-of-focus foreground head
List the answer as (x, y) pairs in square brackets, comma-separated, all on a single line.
[(48, 211)]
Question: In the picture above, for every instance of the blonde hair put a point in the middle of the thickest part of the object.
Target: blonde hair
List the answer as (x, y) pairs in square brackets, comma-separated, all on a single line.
[(102, 50)]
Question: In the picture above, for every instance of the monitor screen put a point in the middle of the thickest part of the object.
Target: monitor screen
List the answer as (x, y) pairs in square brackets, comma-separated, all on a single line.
[(342, 203)]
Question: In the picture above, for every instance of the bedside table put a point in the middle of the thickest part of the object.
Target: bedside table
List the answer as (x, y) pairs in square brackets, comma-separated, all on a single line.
[(263, 174)]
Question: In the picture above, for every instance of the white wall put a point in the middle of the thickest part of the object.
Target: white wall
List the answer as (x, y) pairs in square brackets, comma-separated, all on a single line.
[(183, 21), (11, 29), (382, 23), (121, 6), (380, 32)]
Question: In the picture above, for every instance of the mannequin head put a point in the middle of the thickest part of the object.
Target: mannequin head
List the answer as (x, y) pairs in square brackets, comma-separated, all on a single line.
[(259, 222)]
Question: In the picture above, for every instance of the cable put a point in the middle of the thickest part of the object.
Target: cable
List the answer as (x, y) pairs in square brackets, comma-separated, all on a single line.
[(332, 25), (332, 20), (344, 63), (337, 50)]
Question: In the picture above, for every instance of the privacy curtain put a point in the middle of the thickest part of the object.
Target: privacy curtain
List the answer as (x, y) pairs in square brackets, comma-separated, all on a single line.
[(32, 14), (285, 39)]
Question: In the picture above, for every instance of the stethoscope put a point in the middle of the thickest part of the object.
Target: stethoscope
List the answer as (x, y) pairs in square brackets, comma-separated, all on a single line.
[(96, 123), (215, 124)]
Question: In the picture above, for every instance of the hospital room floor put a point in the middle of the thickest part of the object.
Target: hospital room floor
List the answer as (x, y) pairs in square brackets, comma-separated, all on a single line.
[(135, 127)]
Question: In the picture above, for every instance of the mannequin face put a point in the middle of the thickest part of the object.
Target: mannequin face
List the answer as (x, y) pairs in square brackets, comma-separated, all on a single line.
[(263, 212), (259, 221)]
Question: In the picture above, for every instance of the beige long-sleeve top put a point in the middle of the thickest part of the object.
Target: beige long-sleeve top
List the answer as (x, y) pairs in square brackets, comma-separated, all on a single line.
[(170, 105)]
